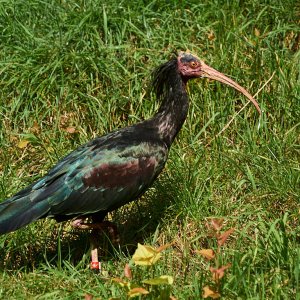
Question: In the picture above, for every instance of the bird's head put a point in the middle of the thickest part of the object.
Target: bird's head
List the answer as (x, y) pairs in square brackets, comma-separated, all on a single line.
[(190, 66)]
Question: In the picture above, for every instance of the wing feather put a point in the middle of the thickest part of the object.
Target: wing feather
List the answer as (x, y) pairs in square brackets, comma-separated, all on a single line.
[(104, 180)]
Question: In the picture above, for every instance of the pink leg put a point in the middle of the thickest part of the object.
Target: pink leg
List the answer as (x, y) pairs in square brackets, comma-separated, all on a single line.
[(95, 264), (96, 227)]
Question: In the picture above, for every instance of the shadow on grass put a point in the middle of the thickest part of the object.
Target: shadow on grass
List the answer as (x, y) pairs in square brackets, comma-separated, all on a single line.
[(48, 243)]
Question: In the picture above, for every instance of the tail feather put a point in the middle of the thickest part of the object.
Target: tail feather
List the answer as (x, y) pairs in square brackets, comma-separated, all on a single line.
[(30, 204), (16, 213)]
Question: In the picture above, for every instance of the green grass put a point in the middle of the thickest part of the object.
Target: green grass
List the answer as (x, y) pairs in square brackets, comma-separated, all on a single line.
[(87, 65)]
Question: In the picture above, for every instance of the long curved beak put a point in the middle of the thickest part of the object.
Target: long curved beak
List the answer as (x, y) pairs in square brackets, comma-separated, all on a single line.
[(211, 73)]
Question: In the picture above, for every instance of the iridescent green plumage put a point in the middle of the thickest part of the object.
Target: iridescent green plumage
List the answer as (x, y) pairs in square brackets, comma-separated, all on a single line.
[(107, 172), (116, 168)]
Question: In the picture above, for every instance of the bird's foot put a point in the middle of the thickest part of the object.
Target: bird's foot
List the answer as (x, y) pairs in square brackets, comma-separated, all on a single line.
[(96, 228), (101, 226)]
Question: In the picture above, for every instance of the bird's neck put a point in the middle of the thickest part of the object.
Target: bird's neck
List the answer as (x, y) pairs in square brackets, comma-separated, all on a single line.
[(172, 112)]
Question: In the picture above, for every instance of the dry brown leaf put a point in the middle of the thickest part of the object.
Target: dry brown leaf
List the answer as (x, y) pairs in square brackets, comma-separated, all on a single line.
[(71, 130), (164, 247), (206, 253), (211, 35), (209, 292), (127, 271), (217, 224), (217, 274), (256, 32), (35, 128), (88, 297), (224, 236)]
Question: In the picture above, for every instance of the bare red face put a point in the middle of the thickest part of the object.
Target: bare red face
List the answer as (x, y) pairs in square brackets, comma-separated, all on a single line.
[(190, 66)]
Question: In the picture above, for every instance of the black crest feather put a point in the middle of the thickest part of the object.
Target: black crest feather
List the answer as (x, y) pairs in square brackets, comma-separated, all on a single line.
[(165, 76)]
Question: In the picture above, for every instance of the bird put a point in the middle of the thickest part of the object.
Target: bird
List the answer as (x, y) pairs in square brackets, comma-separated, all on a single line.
[(118, 167)]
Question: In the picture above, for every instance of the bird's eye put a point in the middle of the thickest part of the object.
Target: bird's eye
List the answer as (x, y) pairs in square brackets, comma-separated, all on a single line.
[(193, 64)]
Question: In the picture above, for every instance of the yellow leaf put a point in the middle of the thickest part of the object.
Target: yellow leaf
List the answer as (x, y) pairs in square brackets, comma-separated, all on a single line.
[(206, 253), (137, 292), (164, 279), (145, 255), (208, 292), (23, 144), (50, 149)]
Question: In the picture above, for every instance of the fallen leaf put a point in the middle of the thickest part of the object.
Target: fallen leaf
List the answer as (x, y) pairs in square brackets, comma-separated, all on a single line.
[(256, 32), (71, 130), (120, 281), (88, 297), (217, 274), (206, 253), (137, 292), (173, 298), (164, 247), (145, 255), (50, 149), (23, 144), (164, 279), (35, 128), (224, 236), (209, 292), (211, 35), (127, 271), (217, 224)]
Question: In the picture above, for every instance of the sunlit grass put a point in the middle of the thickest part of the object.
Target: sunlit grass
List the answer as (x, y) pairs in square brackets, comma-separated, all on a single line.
[(86, 65)]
